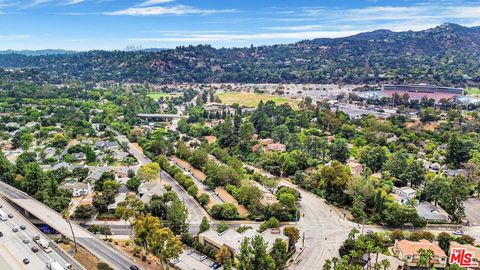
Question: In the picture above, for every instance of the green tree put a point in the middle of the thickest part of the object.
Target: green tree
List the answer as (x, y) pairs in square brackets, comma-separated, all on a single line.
[(293, 235), (149, 172), (425, 257), (279, 254), (177, 215), (458, 151), (84, 211), (222, 226), (339, 150), (204, 225), (270, 223), (373, 157), (133, 183)]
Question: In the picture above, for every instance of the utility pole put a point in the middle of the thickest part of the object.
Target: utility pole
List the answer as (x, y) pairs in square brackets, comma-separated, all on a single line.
[(303, 240), (73, 234)]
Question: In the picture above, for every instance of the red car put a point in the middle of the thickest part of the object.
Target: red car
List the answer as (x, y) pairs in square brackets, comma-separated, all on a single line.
[(34, 249)]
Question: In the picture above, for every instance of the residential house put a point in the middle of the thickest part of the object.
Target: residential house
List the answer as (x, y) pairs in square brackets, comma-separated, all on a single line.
[(409, 252), (432, 213), (404, 194), (78, 189), (120, 197), (79, 156), (232, 239), (371, 260), (148, 190)]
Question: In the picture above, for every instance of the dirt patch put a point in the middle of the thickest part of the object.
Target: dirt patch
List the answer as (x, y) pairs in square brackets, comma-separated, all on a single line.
[(85, 258), (428, 126), (137, 147), (151, 262)]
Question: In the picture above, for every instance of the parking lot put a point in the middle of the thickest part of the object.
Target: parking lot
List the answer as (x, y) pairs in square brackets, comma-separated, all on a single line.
[(193, 262), (472, 210)]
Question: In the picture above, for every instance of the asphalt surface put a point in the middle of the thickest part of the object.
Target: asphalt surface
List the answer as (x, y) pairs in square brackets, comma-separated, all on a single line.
[(99, 248), (195, 210), (13, 250), (322, 228)]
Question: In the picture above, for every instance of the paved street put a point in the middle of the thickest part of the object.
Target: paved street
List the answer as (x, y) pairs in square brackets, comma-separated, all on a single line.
[(98, 247), (324, 228)]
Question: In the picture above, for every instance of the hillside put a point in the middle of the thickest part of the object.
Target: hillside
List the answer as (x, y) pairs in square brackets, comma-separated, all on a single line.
[(448, 55)]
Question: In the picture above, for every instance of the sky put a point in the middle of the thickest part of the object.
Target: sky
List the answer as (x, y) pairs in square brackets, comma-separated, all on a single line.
[(116, 24)]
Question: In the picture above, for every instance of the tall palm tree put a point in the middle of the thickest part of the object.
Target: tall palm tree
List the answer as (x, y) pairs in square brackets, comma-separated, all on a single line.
[(334, 261), (426, 256), (385, 263), (327, 265)]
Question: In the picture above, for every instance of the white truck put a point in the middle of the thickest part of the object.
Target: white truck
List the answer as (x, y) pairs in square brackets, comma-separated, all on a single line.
[(3, 215), (43, 243), (54, 265)]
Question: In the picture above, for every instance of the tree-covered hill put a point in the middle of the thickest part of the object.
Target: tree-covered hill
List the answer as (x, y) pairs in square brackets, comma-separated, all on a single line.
[(448, 55)]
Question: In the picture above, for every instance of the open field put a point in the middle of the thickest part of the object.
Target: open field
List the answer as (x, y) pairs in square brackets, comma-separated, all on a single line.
[(472, 91), (252, 99), (157, 95)]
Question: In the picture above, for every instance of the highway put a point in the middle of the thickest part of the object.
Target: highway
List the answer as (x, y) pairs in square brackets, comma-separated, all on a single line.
[(13, 250), (99, 248)]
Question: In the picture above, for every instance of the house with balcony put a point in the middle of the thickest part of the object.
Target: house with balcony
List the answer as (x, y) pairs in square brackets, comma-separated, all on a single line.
[(409, 252)]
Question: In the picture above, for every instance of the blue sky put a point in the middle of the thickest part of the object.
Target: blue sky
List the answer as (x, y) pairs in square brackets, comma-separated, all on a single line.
[(115, 24)]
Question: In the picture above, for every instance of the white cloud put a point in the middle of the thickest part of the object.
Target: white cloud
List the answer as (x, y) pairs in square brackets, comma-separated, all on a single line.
[(13, 37), (154, 2), (74, 2), (173, 10), (246, 37)]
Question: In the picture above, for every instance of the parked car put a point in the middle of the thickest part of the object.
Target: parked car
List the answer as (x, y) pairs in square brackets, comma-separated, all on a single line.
[(190, 251), (203, 257), (214, 265), (134, 267), (458, 232), (175, 261)]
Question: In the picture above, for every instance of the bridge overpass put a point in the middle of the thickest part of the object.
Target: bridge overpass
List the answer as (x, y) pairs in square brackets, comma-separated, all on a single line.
[(97, 247), (159, 116)]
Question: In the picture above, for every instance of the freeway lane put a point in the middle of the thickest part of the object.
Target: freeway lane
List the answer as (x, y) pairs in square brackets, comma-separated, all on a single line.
[(99, 248)]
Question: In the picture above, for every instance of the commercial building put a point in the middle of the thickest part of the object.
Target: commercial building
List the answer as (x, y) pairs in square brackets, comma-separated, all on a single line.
[(233, 239), (418, 91)]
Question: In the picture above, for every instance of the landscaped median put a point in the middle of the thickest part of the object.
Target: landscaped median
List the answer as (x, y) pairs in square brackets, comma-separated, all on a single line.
[(219, 211)]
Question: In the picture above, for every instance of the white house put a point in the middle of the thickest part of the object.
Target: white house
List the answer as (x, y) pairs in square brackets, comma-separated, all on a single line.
[(78, 189)]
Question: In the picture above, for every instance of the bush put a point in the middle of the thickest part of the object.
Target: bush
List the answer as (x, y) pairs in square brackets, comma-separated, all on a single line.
[(103, 266), (203, 199), (226, 211)]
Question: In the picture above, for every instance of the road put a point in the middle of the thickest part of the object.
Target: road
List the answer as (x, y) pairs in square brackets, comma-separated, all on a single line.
[(324, 228), (99, 248), (13, 250), (195, 210)]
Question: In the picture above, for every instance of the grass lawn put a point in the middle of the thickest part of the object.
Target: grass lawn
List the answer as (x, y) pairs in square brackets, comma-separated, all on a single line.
[(157, 95), (472, 91), (252, 99)]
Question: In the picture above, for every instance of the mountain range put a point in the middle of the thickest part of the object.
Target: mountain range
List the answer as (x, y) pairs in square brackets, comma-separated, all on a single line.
[(448, 54)]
